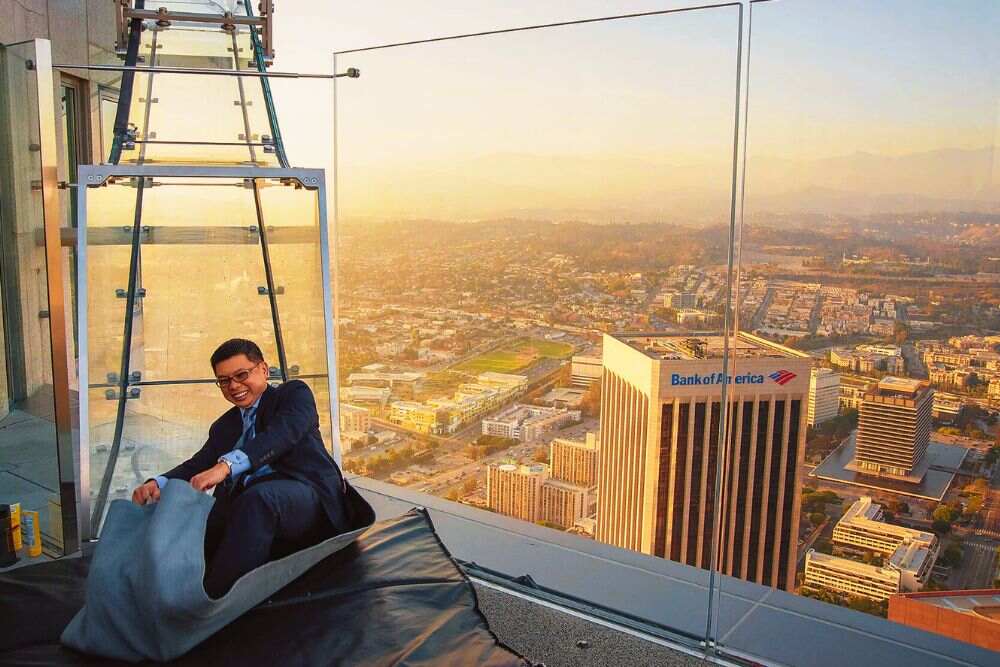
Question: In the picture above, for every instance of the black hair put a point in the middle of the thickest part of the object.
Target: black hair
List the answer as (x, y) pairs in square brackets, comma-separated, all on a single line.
[(235, 346)]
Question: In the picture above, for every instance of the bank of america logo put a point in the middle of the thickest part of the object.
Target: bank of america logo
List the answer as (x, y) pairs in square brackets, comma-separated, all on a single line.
[(782, 377)]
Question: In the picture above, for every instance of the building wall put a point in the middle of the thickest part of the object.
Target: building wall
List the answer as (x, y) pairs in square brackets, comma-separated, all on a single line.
[(515, 490), (964, 627), (893, 433), (847, 576), (824, 396), (563, 504), (574, 462)]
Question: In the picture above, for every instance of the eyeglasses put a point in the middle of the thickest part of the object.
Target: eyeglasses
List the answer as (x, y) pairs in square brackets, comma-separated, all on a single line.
[(240, 376)]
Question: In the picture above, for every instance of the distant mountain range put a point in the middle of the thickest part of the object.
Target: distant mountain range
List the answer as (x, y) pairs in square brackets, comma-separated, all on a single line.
[(613, 190)]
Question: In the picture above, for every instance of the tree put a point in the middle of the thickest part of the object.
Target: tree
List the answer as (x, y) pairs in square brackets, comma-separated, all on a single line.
[(469, 486), (817, 518), (590, 404), (944, 513), (992, 455), (951, 555), (900, 333)]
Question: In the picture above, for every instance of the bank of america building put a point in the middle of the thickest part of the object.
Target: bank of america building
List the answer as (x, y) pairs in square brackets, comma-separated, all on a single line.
[(661, 408)]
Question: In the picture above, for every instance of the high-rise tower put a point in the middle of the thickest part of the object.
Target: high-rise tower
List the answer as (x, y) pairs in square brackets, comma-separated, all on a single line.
[(660, 425)]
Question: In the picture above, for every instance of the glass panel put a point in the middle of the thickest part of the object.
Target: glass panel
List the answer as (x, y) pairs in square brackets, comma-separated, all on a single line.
[(164, 425), (293, 238), (237, 128), (29, 471), (866, 249), (201, 280), (504, 204)]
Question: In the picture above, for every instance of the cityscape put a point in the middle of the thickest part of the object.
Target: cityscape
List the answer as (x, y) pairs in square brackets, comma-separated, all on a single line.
[(863, 391)]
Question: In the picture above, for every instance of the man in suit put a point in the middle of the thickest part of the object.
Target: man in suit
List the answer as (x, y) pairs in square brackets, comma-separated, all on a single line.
[(276, 487)]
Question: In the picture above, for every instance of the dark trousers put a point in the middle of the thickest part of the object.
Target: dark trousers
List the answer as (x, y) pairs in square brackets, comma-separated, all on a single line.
[(270, 518)]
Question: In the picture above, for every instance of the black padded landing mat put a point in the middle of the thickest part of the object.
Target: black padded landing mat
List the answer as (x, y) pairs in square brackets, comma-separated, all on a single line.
[(395, 597)]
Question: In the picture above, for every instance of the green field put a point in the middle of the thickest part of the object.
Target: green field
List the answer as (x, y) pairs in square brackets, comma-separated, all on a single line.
[(515, 357)]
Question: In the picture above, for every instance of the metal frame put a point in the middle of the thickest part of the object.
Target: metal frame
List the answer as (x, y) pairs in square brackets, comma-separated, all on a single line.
[(98, 175), (125, 13), (350, 73)]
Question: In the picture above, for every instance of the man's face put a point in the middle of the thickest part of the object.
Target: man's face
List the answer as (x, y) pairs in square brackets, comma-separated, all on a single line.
[(244, 391)]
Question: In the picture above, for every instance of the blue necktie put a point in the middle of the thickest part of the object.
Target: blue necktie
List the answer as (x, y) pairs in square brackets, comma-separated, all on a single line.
[(249, 431)]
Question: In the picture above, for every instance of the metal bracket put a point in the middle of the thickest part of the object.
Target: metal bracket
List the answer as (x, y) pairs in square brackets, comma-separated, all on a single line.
[(123, 293), (128, 142), (263, 291), (113, 395)]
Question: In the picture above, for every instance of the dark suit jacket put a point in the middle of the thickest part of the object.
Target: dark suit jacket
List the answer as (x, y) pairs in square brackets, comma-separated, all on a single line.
[(287, 438)]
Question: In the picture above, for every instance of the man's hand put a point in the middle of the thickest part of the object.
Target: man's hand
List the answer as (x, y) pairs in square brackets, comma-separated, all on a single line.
[(147, 493), (211, 477)]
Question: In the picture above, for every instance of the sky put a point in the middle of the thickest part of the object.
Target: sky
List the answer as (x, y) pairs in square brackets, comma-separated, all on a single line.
[(633, 118)]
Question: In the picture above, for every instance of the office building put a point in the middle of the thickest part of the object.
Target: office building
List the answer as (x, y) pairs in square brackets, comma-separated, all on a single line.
[(417, 417), (909, 551), (354, 419), (374, 399), (678, 300), (852, 392), (993, 392), (971, 616), (894, 428), (660, 415), (847, 576), (946, 406), (563, 504), (574, 461), (824, 396), (585, 370), (527, 423), (515, 490)]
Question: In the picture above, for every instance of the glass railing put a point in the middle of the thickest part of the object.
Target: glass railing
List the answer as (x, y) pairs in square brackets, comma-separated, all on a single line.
[(637, 279), (868, 206), (37, 349), (508, 205), (562, 205)]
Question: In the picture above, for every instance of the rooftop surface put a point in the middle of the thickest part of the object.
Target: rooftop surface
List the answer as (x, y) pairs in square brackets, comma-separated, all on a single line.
[(942, 461), (653, 600), (896, 386), (983, 602), (697, 346)]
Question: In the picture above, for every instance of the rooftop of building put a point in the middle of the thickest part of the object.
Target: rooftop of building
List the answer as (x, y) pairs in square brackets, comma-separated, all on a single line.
[(910, 556), (533, 469), (590, 442), (847, 565), (867, 515), (983, 602), (672, 346), (521, 413), (891, 386)]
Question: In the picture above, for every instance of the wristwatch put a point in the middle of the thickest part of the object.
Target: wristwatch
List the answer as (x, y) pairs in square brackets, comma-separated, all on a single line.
[(229, 464)]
